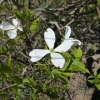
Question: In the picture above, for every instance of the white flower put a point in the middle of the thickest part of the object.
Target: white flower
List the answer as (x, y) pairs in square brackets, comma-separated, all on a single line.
[(56, 58), (68, 42), (12, 29)]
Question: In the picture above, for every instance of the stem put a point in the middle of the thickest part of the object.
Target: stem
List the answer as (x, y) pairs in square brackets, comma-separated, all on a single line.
[(6, 88)]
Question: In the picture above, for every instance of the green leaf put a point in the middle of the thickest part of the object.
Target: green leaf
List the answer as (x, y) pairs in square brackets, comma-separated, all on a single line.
[(7, 6), (16, 90), (27, 14), (8, 62), (18, 15), (3, 49), (78, 66), (67, 74), (77, 53), (60, 75), (26, 80), (44, 67), (91, 77), (97, 81), (98, 2), (21, 86), (95, 73), (67, 55), (17, 98), (55, 71), (52, 93), (2, 7), (98, 76), (92, 81), (5, 69), (98, 86), (33, 96), (34, 25), (11, 42), (65, 66), (17, 79), (3, 94), (32, 82)]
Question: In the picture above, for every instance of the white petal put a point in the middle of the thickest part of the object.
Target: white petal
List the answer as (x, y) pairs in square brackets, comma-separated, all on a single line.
[(49, 37), (65, 46), (57, 59), (76, 42), (37, 54), (12, 34), (67, 32), (0, 26), (6, 26), (20, 28), (15, 22)]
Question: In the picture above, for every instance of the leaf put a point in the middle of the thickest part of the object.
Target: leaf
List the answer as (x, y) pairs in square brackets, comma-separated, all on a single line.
[(98, 76), (33, 96), (5, 69), (65, 66), (98, 86), (7, 6), (34, 25), (11, 42), (44, 67), (26, 80), (60, 75), (21, 86), (4, 94), (98, 2), (17, 79), (67, 74), (67, 55), (52, 93), (77, 53), (8, 62), (27, 14), (95, 73), (18, 15), (2, 7), (32, 82), (92, 81), (97, 81), (3, 49), (91, 77), (78, 66), (16, 90)]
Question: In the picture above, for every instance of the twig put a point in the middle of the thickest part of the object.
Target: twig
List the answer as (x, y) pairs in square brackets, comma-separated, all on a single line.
[(6, 88), (22, 53), (69, 95)]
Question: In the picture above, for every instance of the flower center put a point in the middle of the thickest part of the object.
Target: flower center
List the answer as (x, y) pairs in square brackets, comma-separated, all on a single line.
[(15, 27), (52, 50)]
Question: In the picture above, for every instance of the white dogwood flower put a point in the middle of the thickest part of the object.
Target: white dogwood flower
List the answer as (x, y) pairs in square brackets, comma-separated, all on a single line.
[(68, 42), (12, 29), (56, 58)]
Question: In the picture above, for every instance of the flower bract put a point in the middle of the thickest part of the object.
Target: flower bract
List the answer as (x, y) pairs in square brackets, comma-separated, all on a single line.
[(56, 58), (12, 29)]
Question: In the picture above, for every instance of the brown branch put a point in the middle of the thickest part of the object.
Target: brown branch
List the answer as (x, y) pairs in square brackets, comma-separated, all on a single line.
[(6, 88)]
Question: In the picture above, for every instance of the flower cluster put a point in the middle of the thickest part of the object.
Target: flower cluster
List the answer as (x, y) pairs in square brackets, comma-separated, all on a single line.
[(37, 54), (56, 58), (12, 29)]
